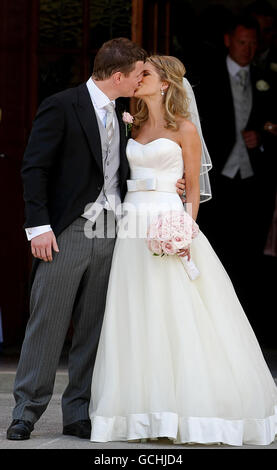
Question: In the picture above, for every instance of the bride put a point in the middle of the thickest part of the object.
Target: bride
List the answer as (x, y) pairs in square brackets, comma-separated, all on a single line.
[(177, 357)]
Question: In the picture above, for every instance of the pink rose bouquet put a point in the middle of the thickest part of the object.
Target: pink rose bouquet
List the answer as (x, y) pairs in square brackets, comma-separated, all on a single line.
[(172, 232)]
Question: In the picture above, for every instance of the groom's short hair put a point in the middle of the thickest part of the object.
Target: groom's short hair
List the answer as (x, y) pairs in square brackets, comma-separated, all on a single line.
[(117, 55)]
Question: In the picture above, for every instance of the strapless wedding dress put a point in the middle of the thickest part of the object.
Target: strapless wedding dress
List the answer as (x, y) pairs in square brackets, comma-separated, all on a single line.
[(176, 358)]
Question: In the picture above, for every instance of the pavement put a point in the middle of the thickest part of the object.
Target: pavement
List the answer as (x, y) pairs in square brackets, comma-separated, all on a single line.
[(48, 430)]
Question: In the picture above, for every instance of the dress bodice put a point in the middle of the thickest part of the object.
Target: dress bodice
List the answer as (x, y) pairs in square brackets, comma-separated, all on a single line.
[(162, 155), (155, 168)]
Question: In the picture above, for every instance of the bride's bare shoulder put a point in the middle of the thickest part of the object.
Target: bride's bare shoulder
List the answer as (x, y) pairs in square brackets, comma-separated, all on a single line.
[(188, 135), (187, 127)]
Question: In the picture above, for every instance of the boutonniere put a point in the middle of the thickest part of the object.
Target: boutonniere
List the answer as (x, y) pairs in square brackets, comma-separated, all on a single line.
[(262, 85), (128, 121), (273, 66)]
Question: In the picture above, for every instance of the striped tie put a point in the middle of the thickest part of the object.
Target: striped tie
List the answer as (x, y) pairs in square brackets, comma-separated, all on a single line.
[(242, 75), (109, 121)]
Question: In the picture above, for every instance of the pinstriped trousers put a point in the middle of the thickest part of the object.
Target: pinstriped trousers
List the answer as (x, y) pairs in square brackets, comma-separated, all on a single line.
[(73, 286)]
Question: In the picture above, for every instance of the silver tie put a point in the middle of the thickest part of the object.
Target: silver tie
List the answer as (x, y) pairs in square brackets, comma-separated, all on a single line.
[(243, 78), (109, 120)]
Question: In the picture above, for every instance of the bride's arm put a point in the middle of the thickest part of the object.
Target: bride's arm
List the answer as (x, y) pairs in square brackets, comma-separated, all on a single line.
[(191, 149)]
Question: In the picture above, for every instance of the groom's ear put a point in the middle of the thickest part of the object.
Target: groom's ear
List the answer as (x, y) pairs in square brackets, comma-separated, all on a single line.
[(117, 77)]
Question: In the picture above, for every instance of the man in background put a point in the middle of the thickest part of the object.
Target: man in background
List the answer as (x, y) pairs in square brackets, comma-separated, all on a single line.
[(232, 103)]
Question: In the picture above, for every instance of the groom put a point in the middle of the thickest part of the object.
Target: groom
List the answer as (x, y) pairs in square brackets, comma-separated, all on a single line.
[(74, 164)]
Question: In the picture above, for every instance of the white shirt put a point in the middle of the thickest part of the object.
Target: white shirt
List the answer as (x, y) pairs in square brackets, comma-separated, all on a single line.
[(233, 67), (99, 100)]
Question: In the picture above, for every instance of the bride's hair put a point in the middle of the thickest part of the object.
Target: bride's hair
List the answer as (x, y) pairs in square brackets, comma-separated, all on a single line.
[(170, 70)]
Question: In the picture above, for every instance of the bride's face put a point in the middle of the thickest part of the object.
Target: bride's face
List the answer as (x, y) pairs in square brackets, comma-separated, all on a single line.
[(150, 84)]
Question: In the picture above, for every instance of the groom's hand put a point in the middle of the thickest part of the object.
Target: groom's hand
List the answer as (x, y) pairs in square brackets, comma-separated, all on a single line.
[(181, 188), (42, 245)]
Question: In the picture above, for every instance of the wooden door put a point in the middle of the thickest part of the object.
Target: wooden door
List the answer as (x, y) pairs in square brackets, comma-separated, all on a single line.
[(45, 46), (151, 25), (17, 104)]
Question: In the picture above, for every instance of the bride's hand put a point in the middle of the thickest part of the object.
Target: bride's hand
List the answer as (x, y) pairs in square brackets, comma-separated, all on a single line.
[(185, 252), (181, 186)]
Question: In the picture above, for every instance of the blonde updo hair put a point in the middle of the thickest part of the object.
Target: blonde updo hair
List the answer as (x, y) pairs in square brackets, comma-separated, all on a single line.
[(170, 70)]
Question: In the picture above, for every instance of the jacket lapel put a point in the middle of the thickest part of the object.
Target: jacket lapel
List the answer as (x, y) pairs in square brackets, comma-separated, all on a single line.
[(255, 115), (124, 165), (87, 117), (229, 102)]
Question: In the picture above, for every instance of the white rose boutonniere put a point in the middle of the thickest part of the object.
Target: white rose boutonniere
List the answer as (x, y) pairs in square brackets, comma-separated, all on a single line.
[(128, 120), (273, 66), (262, 85)]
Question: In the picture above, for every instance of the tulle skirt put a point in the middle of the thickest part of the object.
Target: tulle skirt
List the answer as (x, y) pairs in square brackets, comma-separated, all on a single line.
[(178, 358)]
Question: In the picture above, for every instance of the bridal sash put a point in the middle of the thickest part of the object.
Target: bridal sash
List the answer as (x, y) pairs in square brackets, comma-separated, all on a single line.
[(148, 179)]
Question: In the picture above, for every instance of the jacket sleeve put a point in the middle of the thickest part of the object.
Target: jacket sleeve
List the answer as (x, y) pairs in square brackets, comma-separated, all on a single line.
[(39, 157)]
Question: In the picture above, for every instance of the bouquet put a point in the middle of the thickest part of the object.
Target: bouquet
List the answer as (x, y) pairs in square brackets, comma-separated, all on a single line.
[(170, 233)]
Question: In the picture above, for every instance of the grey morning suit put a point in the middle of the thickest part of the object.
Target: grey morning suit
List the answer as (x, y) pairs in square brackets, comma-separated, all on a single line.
[(73, 286)]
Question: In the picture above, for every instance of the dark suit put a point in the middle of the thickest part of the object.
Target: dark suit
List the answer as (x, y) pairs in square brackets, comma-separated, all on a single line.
[(215, 102), (237, 218), (62, 172), (62, 166)]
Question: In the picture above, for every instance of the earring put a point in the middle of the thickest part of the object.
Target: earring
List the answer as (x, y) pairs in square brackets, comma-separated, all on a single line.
[(162, 92)]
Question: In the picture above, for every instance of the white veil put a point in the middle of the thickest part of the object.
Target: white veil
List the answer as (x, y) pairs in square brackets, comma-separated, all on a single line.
[(206, 163)]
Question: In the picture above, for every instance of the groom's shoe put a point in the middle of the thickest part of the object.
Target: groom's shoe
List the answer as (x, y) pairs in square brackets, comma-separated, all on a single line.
[(19, 430), (80, 429)]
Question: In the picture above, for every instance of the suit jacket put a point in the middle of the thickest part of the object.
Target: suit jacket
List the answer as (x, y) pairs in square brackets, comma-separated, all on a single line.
[(215, 101), (216, 109), (62, 166)]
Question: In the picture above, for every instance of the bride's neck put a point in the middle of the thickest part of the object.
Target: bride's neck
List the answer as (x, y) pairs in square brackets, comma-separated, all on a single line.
[(155, 113)]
